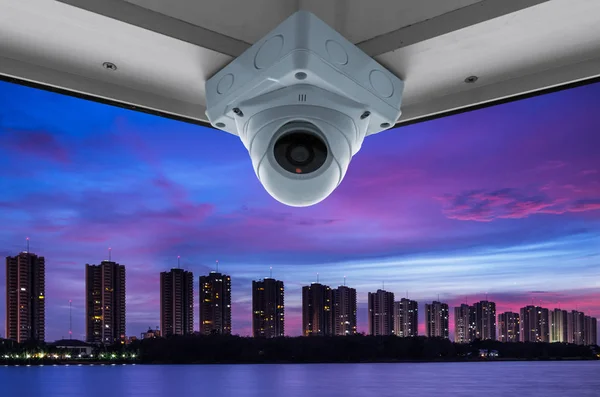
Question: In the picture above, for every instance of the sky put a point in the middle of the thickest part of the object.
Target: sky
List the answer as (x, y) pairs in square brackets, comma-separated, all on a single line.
[(502, 202)]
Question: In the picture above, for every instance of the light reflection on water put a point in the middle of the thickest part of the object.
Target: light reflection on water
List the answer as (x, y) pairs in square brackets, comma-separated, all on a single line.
[(548, 379)]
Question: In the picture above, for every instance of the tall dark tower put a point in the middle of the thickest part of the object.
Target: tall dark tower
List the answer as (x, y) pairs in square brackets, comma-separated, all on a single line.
[(268, 308), (317, 313), (344, 311), (463, 332), (381, 313), (25, 297), (406, 318), (534, 324), (485, 320), (436, 320), (578, 327), (509, 327), (176, 302), (105, 303), (591, 330), (215, 304)]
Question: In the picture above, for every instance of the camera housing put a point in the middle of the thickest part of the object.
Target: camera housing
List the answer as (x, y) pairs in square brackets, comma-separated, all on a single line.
[(302, 100)]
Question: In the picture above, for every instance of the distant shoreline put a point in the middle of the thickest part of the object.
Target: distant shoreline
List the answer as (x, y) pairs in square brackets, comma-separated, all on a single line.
[(24, 363)]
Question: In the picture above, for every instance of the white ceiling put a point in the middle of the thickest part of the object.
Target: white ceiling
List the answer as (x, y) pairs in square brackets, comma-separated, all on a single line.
[(248, 21), (166, 49), (73, 44), (515, 46)]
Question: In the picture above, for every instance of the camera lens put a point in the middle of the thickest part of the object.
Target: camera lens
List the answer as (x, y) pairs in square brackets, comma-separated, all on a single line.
[(299, 154), (300, 151)]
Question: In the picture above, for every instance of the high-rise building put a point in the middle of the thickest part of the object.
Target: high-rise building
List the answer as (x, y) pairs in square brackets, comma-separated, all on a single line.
[(535, 324), (436, 320), (268, 308), (463, 330), (215, 304), (591, 330), (545, 324), (578, 327), (558, 326), (509, 327), (105, 303), (317, 312), (176, 302), (570, 329), (381, 313), (485, 320), (344, 311), (406, 318), (25, 297)]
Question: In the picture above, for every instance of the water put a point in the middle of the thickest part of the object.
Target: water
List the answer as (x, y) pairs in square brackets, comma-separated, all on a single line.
[(373, 380)]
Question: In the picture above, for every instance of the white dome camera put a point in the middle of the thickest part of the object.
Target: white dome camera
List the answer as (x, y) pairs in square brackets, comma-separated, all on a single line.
[(302, 100)]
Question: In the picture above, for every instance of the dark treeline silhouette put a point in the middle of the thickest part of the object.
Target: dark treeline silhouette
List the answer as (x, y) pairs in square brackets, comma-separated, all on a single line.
[(235, 349), (341, 349)]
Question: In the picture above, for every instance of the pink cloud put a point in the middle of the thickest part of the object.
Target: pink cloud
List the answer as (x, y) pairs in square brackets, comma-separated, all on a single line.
[(487, 205), (585, 205), (38, 143)]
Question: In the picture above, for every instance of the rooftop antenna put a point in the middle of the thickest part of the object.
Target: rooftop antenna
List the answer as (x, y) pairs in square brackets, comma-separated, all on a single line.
[(178, 261), (344, 281), (438, 297), (109, 254), (27, 244), (486, 296), (317, 277), (407, 294), (70, 320), (383, 285), (270, 271), (217, 266)]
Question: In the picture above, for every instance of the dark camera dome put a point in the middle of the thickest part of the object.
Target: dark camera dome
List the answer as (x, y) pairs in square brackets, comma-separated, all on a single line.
[(300, 150)]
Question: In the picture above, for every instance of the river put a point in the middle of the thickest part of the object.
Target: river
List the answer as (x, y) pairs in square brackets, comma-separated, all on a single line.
[(489, 379)]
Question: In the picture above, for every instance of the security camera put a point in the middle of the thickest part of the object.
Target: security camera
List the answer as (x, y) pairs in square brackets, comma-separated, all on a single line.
[(302, 100)]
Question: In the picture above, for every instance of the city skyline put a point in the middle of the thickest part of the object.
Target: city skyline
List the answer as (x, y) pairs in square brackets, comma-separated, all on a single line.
[(325, 311), (503, 201)]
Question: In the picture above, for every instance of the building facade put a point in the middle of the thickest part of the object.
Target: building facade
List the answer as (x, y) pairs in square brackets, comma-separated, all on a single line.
[(590, 331), (105, 303), (578, 327), (436, 320), (406, 318), (176, 302), (570, 329), (509, 327), (463, 329), (268, 308), (535, 324), (317, 312), (344, 311), (215, 304), (26, 297), (381, 313), (558, 326), (485, 320)]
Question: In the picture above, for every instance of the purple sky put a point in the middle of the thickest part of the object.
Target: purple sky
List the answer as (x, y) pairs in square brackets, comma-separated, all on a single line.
[(503, 201)]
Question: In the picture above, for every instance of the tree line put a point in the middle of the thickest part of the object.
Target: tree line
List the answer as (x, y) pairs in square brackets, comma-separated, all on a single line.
[(195, 349), (344, 349)]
